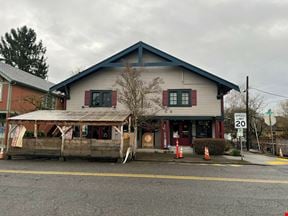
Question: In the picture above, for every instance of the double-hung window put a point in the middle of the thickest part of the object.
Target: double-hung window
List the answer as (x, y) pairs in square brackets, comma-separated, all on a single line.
[(179, 97), (101, 98)]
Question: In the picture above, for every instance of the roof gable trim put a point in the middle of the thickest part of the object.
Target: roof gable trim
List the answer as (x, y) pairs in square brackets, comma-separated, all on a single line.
[(139, 47)]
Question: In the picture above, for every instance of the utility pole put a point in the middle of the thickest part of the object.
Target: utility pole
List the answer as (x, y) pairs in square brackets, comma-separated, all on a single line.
[(247, 114)]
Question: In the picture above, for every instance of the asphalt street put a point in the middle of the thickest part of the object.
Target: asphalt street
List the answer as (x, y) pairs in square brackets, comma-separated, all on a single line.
[(47, 187)]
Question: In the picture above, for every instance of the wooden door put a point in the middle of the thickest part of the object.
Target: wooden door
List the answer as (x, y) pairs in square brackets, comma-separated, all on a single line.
[(183, 129)]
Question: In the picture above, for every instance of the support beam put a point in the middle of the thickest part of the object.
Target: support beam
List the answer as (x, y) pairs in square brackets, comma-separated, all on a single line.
[(63, 131), (35, 129), (117, 129), (122, 142), (146, 64), (129, 132)]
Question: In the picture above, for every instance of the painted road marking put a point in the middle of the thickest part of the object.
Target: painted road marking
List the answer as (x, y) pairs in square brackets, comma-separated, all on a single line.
[(150, 176), (235, 165), (219, 165), (278, 161)]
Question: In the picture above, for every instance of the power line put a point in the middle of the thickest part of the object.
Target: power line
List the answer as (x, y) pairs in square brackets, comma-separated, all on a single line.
[(270, 93)]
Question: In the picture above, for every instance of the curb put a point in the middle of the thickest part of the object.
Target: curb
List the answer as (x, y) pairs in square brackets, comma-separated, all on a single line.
[(200, 162)]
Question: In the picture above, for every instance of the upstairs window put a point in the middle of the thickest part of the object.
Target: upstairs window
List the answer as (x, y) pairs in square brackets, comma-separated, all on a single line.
[(101, 98), (48, 102), (179, 97)]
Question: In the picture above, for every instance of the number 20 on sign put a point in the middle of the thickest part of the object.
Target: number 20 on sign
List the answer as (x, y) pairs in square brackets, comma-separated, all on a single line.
[(240, 120)]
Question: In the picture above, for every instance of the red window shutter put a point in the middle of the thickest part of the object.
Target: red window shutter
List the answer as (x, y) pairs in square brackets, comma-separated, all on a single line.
[(87, 98), (114, 98), (194, 97), (165, 98)]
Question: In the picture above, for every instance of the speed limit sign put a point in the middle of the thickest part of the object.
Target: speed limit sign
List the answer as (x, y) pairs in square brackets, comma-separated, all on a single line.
[(240, 120)]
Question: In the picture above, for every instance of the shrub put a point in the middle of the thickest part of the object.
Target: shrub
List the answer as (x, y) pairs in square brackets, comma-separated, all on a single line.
[(235, 152), (30, 134), (215, 146), (228, 145)]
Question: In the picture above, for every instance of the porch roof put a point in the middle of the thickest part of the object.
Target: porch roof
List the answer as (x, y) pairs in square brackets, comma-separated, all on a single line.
[(80, 116)]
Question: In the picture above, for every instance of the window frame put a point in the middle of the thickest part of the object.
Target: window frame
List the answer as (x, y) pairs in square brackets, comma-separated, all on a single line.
[(102, 103), (204, 129), (179, 97)]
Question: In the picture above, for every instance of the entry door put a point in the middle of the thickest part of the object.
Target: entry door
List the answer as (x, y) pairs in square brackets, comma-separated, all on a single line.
[(183, 128)]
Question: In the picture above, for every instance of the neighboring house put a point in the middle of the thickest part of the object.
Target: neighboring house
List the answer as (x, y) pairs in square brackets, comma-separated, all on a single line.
[(22, 92), (281, 127), (193, 97)]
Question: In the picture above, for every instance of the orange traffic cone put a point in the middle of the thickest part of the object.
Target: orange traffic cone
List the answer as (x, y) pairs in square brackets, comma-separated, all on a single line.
[(1, 154), (181, 153), (280, 153), (206, 154), (177, 149)]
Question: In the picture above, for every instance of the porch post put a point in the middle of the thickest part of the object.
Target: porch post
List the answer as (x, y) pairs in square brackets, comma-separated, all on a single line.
[(168, 133), (162, 133), (63, 131), (216, 123), (122, 142), (165, 134), (222, 129)]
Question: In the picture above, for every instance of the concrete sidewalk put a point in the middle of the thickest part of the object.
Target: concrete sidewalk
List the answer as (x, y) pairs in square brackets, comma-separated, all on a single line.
[(169, 156), (157, 155), (262, 159)]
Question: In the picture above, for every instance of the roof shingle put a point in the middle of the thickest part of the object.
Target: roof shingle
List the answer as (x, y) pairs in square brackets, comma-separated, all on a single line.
[(19, 76)]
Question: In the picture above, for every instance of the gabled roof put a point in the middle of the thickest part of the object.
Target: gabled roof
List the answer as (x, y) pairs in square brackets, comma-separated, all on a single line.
[(12, 74), (139, 47)]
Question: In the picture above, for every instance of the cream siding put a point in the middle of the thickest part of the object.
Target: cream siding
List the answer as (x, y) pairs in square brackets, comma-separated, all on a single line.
[(173, 77)]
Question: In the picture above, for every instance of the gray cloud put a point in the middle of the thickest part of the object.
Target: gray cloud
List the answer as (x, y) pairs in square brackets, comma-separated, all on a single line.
[(230, 38)]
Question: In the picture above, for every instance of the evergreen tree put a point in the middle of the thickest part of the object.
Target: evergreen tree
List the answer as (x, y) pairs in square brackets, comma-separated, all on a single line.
[(20, 49)]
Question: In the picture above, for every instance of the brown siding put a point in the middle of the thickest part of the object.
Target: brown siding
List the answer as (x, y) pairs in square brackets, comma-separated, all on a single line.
[(194, 98), (19, 103), (87, 98), (165, 98), (3, 102)]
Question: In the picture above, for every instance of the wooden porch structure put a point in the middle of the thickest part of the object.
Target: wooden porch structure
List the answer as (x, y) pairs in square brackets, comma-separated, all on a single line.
[(66, 144)]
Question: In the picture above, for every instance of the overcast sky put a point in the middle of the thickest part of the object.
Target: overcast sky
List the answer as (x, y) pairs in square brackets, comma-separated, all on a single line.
[(229, 38)]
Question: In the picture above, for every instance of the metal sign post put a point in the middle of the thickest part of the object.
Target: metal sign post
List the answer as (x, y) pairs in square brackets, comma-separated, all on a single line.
[(271, 120), (240, 135), (240, 122)]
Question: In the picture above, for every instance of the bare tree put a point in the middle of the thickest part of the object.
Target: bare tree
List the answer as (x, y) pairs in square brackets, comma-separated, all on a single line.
[(37, 102), (141, 98), (236, 102), (284, 108)]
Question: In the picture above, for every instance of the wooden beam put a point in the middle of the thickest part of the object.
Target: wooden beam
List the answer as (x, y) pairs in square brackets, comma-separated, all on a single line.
[(35, 129), (63, 131), (117, 129), (122, 142), (146, 64)]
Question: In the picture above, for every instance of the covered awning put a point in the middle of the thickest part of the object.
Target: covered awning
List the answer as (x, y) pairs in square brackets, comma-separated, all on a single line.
[(65, 117)]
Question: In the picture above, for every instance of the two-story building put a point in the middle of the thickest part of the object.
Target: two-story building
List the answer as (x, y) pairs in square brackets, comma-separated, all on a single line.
[(192, 97), (22, 92)]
